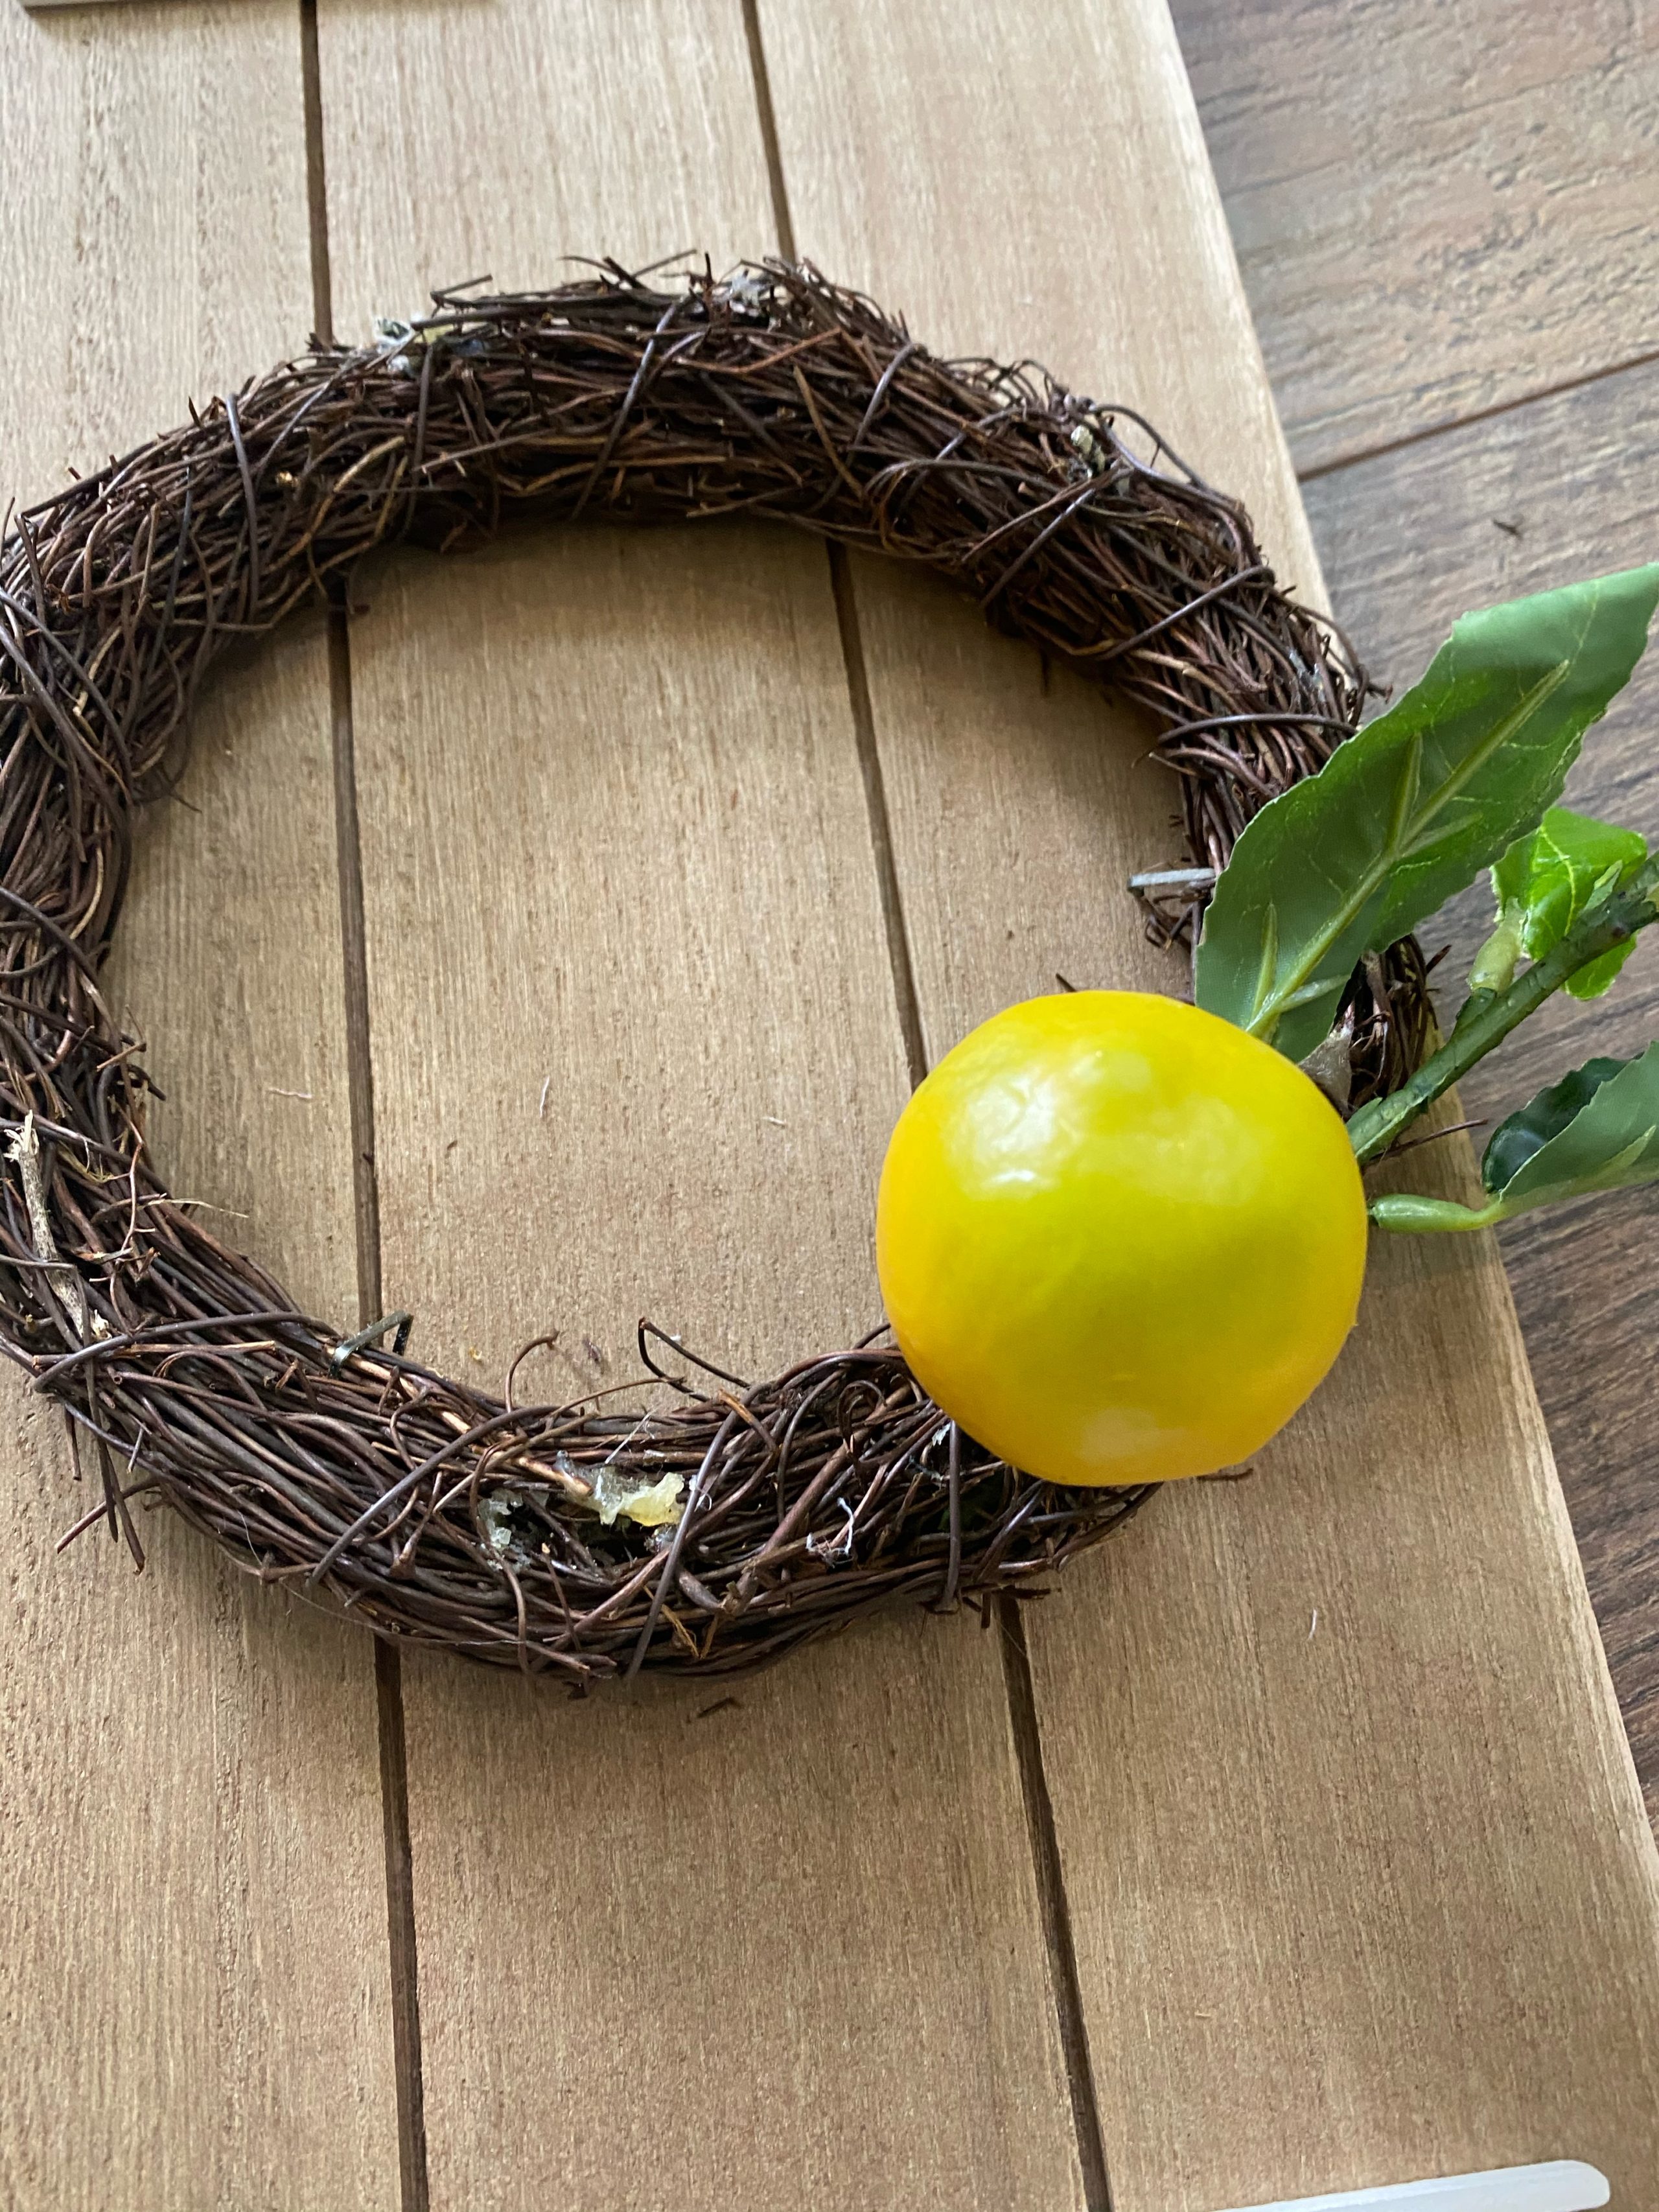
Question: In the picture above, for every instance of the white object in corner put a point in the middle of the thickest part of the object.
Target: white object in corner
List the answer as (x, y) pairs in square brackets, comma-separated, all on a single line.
[(1566, 2184)]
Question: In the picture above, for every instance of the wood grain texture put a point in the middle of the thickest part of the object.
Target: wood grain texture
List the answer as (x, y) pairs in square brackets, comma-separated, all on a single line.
[(229, 965), (1438, 209), (636, 1050), (1564, 487), (192, 1938), (1351, 1905)]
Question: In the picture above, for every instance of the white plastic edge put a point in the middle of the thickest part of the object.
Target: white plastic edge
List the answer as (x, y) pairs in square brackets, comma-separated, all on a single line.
[(1565, 2184)]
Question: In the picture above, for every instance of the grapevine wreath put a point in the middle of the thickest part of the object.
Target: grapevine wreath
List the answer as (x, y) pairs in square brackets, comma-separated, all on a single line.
[(574, 1538)]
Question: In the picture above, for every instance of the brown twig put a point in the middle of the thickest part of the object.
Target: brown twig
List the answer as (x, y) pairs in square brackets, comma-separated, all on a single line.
[(334, 1464)]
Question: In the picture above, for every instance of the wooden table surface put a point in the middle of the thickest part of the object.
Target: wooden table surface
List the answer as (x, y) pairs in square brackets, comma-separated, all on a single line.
[(1294, 1844), (1447, 219)]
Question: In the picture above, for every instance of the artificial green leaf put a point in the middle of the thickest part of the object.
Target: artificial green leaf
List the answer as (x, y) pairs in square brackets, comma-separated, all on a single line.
[(1598, 976), (1596, 1129), (1610, 1142), (1574, 862), (1543, 884), (1514, 1142), (1412, 808)]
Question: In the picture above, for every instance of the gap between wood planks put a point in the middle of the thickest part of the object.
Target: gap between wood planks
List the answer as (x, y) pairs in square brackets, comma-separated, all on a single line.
[(1042, 1837), (1431, 430), (414, 2190)]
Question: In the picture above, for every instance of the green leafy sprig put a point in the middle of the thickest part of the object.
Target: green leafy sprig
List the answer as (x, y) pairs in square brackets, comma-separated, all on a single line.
[(1462, 774), (1596, 1129)]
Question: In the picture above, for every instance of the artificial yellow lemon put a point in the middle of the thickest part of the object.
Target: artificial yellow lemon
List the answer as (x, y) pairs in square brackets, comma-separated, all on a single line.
[(1119, 1239)]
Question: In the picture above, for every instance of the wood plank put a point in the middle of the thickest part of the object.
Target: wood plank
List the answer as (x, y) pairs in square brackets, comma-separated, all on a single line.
[(1349, 1905), (675, 1947), (193, 1772), (1379, 290), (1438, 209), (1380, 1881), (1384, 297), (1564, 487)]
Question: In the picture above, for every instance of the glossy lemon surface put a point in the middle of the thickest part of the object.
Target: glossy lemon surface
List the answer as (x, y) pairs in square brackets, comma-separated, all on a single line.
[(1118, 1240)]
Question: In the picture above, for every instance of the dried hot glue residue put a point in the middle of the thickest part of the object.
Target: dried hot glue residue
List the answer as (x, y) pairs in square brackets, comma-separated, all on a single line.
[(647, 1504), (652, 1504)]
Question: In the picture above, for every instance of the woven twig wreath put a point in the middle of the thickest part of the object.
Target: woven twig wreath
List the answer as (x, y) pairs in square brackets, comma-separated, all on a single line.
[(335, 1463)]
